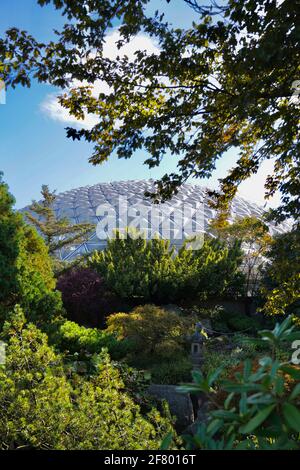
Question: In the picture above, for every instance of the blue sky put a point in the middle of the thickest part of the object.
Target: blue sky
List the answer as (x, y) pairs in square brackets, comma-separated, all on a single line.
[(34, 149)]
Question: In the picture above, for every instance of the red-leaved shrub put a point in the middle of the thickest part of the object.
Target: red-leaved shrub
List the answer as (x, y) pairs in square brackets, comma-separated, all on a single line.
[(85, 297)]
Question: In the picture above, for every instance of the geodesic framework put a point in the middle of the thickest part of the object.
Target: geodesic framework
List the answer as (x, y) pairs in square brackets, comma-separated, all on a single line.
[(81, 204)]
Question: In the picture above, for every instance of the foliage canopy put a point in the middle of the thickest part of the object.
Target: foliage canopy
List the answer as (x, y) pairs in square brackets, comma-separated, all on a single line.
[(224, 83)]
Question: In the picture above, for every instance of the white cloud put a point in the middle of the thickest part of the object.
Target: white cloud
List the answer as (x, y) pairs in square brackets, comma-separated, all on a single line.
[(52, 108), (139, 42), (253, 188)]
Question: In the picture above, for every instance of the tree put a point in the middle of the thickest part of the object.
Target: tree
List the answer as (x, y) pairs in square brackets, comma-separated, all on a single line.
[(10, 233), (57, 232), (133, 267), (284, 298), (256, 240), (224, 83), (281, 285), (284, 257), (218, 270), (33, 389), (26, 275)]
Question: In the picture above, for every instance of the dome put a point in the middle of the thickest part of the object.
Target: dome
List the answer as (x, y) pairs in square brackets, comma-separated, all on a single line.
[(122, 203)]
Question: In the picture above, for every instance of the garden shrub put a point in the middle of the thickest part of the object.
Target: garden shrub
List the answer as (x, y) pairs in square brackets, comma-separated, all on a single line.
[(85, 297), (149, 270), (153, 331), (35, 398), (219, 269), (76, 339), (109, 419), (134, 267), (243, 323), (224, 321), (227, 352), (173, 371), (43, 409)]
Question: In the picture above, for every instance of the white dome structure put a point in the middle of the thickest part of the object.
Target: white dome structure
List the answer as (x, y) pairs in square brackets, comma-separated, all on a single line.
[(123, 203)]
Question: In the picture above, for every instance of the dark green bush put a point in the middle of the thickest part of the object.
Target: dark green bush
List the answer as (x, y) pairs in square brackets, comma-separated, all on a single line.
[(172, 372), (135, 268), (225, 321)]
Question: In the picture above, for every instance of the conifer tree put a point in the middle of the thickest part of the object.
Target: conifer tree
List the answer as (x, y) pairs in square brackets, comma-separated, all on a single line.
[(57, 232), (26, 275)]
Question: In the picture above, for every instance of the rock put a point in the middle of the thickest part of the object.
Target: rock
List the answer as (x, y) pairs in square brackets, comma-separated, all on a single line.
[(202, 406), (180, 404)]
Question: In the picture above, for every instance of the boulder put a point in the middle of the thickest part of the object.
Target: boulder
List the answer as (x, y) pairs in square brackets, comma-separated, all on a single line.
[(180, 404)]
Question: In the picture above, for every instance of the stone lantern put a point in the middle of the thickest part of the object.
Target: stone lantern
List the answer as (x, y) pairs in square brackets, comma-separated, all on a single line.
[(199, 399), (197, 342)]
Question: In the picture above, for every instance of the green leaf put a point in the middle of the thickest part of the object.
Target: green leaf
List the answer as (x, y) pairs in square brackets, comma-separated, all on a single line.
[(274, 369), (242, 388), (257, 420), (197, 376), (243, 445), (295, 392), (292, 371), (292, 416), (281, 328), (189, 388), (243, 404), (260, 399), (268, 336), (165, 445), (214, 375), (228, 400), (279, 385), (227, 415), (247, 369), (265, 361), (214, 426)]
